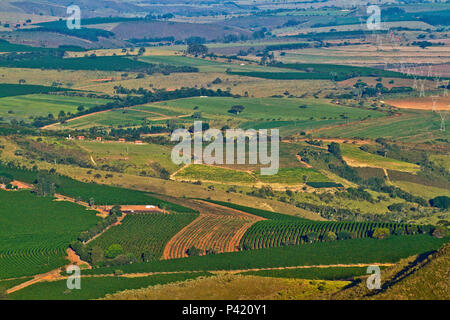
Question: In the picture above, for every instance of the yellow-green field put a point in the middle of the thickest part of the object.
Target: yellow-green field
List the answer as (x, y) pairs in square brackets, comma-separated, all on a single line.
[(358, 158)]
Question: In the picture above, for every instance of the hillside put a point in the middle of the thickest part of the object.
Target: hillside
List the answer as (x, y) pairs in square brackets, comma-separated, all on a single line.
[(423, 277)]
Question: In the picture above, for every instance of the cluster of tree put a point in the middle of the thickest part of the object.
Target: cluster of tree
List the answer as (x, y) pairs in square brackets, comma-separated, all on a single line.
[(237, 109), (145, 96), (115, 214), (90, 34), (40, 150), (197, 49), (263, 192)]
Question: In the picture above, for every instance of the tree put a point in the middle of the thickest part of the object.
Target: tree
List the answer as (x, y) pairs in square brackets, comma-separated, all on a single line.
[(442, 202), (193, 251), (146, 256), (116, 211), (381, 233), (113, 251), (6, 178), (236, 109), (45, 185), (311, 237), (197, 49), (97, 255), (330, 236), (440, 232), (335, 149)]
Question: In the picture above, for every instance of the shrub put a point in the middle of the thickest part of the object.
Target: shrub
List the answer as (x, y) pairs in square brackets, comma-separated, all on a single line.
[(113, 251), (442, 202), (381, 233)]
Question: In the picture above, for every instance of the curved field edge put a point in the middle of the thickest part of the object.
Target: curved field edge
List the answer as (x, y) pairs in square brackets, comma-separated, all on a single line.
[(220, 233), (322, 253)]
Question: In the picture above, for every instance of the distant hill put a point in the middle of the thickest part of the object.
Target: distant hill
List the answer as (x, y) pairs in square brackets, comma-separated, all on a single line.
[(425, 277)]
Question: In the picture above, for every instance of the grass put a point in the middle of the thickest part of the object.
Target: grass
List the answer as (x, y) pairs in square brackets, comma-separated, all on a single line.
[(7, 284), (130, 158), (234, 287), (200, 172), (204, 65), (357, 157), (413, 126), (95, 288), (420, 190), (270, 109), (293, 176), (330, 273), (129, 117), (27, 107), (36, 231), (353, 251)]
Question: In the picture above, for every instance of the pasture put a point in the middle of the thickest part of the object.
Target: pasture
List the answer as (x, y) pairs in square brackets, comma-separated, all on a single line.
[(412, 126), (358, 158), (329, 273), (27, 107), (204, 65), (123, 117), (271, 109), (206, 173), (129, 157)]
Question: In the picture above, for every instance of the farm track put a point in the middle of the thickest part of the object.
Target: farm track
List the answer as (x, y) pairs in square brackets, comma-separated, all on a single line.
[(55, 275)]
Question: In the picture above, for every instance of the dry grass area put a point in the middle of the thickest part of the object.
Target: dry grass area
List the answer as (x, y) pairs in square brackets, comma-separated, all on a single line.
[(369, 55), (67, 78), (421, 103), (234, 287)]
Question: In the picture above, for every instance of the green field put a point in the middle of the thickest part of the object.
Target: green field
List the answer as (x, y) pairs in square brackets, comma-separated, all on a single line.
[(413, 126), (11, 90), (293, 176), (200, 172), (96, 288), (144, 233), (205, 65), (35, 232), (85, 63), (130, 158), (129, 117), (27, 107), (354, 154), (353, 251), (270, 109)]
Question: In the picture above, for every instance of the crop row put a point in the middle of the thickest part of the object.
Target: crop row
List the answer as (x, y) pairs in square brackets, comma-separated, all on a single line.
[(267, 234)]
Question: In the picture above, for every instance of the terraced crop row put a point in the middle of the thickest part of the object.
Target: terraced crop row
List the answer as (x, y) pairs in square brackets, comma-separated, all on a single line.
[(221, 233), (267, 234), (144, 233)]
